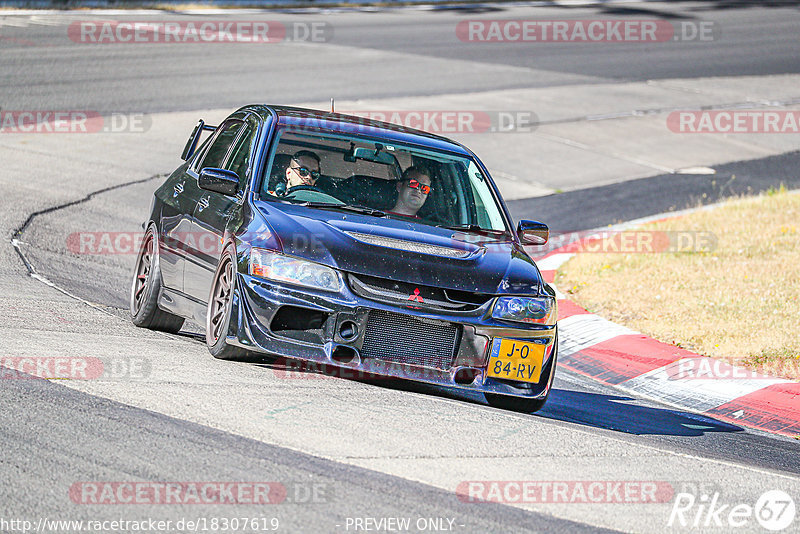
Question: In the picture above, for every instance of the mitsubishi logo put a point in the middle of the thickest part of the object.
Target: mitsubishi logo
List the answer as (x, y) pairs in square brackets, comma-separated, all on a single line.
[(415, 296)]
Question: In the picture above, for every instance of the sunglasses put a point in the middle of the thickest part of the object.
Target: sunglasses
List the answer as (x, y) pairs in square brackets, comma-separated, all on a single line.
[(304, 172), (414, 184)]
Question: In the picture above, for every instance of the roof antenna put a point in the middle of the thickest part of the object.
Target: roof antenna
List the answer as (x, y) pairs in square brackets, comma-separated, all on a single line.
[(332, 105)]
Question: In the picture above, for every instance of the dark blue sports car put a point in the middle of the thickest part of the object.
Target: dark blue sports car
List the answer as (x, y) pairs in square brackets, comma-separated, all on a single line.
[(354, 243)]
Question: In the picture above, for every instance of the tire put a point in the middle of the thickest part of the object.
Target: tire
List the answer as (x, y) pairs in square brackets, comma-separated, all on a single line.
[(218, 316), (145, 289), (522, 404), (514, 404)]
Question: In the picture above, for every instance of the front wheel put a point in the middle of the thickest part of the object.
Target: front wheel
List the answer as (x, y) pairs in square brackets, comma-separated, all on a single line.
[(522, 404), (514, 404), (220, 304), (145, 287)]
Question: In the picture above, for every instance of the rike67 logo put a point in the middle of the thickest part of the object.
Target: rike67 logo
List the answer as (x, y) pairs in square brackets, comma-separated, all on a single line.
[(774, 511)]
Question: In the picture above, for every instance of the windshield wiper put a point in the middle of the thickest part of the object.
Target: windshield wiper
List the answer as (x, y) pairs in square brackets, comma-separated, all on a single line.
[(347, 207), (472, 228)]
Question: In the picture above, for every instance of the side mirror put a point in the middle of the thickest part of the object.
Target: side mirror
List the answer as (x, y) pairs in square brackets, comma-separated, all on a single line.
[(533, 232), (219, 181)]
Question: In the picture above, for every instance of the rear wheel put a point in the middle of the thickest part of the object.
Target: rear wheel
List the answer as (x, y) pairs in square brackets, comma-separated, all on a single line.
[(220, 303), (145, 287)]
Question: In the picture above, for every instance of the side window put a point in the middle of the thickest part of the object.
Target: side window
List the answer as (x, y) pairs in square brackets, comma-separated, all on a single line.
[(482, 200), (215, 155), (240, 155)]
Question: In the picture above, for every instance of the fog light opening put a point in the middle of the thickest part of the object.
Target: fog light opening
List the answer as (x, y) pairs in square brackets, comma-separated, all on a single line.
[(343, 354), (348, 330), (465, 375), (296, 318)]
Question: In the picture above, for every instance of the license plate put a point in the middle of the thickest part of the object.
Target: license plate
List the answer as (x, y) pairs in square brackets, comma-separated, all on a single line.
[(516, 360)]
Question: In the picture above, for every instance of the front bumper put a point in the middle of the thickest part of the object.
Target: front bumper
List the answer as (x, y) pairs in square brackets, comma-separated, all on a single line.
[(331, 342)]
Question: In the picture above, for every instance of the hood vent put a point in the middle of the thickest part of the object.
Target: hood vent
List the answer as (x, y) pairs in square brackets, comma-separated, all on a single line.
[(410, 246)]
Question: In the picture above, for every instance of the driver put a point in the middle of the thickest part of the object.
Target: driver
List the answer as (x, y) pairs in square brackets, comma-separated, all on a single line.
[(303, 169)]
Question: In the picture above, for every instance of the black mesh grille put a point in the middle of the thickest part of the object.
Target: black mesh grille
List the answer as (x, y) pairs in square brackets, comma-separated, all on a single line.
[(392, 291), (405, 339)]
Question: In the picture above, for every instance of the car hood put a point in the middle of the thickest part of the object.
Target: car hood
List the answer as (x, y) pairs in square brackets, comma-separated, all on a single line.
[(402, 250)]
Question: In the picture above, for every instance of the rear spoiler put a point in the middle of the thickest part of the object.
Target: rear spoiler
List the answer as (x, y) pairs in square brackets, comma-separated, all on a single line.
[(191, 144)]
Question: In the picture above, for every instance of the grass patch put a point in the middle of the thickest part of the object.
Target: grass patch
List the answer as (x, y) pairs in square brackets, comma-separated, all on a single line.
[(737, 301)]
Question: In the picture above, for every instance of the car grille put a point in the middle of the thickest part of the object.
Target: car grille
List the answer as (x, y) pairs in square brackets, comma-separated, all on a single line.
[(394, 292), (401, 338)]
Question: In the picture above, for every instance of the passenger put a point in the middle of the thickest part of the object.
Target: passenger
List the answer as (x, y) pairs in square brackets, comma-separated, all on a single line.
[(412, 192)]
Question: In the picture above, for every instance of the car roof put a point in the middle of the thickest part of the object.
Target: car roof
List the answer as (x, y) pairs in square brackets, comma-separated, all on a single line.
[(351, 124)]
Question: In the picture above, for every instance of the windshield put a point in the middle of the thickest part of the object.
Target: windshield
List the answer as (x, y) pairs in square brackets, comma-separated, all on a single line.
[(383, 179)]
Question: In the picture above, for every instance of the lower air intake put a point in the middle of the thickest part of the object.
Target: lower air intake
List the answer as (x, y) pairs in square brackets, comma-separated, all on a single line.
[(401, 338)]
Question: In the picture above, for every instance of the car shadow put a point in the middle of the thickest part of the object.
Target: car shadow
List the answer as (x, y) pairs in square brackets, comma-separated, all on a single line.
[(615, 412), (640, 12), (618, 413), (610, 412), (625, 414)]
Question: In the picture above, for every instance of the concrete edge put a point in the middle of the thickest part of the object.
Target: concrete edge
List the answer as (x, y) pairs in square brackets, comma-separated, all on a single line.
[(635, 363)]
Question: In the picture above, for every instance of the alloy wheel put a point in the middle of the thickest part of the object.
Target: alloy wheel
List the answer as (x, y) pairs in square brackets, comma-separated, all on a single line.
[(220, 300), (142, 273)]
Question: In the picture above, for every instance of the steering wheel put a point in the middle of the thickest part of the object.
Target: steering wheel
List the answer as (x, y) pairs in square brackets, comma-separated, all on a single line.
[(309, 193), (303, 187)]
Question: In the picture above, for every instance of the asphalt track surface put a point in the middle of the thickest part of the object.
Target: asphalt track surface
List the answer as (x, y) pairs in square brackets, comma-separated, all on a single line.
[(580, 210), (40, 65), (55, 436)]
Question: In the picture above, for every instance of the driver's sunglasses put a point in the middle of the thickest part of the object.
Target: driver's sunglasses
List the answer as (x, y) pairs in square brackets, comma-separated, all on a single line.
[(304, 172), (424, 189)]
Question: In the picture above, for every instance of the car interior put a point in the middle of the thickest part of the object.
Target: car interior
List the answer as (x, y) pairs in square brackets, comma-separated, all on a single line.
[(367, 176)]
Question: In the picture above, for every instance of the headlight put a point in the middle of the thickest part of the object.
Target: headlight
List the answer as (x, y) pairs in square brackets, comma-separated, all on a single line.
[(279, 267), (536, 310)]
